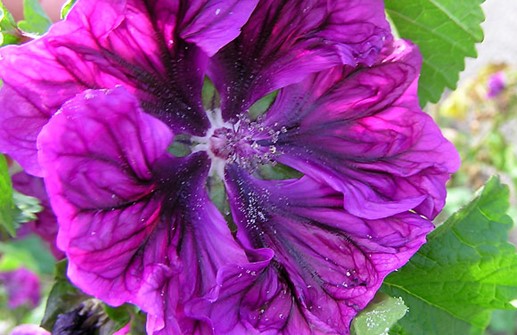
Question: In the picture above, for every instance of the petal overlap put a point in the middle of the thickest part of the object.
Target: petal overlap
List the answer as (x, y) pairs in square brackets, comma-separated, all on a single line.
[(132, 218), (326, 263), (142, 45), (284, 41), (363, 133)]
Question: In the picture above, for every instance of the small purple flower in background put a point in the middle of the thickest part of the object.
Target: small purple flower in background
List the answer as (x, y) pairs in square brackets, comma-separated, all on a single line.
[(496, 84), (46, 225), (116, 87), (22, 287)]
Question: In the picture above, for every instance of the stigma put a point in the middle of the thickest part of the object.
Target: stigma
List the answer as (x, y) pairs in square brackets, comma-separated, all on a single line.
[(240, 141)]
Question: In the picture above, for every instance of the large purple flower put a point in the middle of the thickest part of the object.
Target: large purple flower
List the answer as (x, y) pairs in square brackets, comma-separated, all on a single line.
[(115, 90)]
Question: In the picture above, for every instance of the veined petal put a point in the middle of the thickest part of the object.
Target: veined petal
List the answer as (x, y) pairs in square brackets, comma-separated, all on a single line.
[(284, 41), (136, 224), (150, 47), (203, 245), (327, 263), (363, 133), (253, 300), (211, 24), (99, 175), (46, 224)]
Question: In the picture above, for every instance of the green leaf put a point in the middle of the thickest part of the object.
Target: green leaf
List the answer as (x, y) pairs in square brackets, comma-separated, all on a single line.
[(14, 257), (27, 207), (35, 20), (62, 298), (138, 324), (65, 298), (29, 252), (218, 196), (446, 32), (379, 315), (503, 322), (66, 8), (9, 33), (466, 270), (210, 95), (278, 171), (7, 208), (119, 316), (181, 146), (260, 107)]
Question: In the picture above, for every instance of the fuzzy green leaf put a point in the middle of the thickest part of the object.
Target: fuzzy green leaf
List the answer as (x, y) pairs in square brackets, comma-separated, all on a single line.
[(119, 317), (35, 20), (29, 252), (465, 271), (66, 8), (9, 33), (446, 32), (379, 315), (7, 208), (27, 207)]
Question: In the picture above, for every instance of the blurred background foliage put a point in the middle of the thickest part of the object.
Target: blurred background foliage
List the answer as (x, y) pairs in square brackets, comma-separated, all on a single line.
[(480, 117)]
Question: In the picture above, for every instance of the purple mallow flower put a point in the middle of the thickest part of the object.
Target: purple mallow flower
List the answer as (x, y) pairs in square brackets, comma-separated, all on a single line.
[(496, 84), (116, 88), (22, 287), (45, 225)]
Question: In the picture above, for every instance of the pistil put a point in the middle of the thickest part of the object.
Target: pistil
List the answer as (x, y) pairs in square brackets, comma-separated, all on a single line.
[(244, 142)]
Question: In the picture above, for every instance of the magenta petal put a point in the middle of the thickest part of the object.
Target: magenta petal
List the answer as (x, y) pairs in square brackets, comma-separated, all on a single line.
[(497, 82), (46, 224), (136, 224), (364, 134), (101, 44), (214, 23), (96, 143), (204, 245), (29, 329), (327, 262), (284, 41), (124, 330), (21, 123), (255, 299), (99, 176)]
